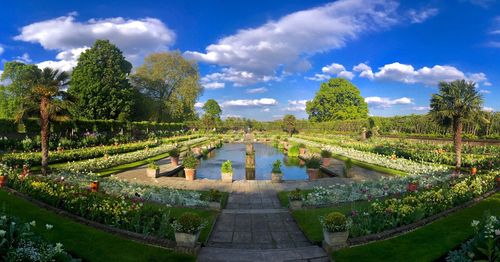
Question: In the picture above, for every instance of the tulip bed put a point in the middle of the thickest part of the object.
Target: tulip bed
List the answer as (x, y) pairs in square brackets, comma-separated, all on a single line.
[(34, 158)]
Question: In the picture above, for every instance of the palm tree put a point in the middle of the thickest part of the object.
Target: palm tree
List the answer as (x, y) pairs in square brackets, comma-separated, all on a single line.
[(48, 101), (456, 102)]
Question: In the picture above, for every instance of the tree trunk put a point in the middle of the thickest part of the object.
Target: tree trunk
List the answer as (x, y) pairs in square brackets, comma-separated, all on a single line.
[(457, 141), (44, 133)]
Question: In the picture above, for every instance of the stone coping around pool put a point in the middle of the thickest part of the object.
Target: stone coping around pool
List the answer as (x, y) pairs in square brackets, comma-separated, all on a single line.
[(414, 226), (148, 240)]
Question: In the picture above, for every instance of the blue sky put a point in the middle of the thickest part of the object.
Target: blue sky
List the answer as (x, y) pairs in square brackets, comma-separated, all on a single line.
[(264, 59)]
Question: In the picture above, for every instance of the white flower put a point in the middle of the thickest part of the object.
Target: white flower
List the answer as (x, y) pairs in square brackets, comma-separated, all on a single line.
[(33, 223), (48, 226), (2, 233), (497, 232), (474, 223)]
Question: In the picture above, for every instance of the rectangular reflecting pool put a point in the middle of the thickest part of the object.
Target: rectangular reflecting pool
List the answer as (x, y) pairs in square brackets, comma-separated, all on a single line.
[(265, 155)]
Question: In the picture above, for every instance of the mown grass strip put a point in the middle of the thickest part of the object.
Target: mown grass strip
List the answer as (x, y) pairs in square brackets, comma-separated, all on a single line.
[(373, 167), (83, 241), (427, 243)]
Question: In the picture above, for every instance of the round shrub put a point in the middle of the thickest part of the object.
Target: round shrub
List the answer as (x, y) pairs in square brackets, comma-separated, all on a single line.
[(313, 162), (226, 167), (326, 154), (174, 152), (295, 195), (190, 162), (277, 167), (188, 222), (294, 151), (335, 222)]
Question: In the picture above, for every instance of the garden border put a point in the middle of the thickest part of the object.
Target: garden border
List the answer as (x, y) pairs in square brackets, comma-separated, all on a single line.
[(414, 226), (148, 240)]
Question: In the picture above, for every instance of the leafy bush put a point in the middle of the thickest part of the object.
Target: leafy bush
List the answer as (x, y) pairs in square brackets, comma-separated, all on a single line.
[(153, 165), (188, 222), (214, 195), (174, 152), (313, 162), (277, 167), (326, 154), (295, 195), (226, 167), (294, 151), (190, 161), (348, 164), (335, 222)]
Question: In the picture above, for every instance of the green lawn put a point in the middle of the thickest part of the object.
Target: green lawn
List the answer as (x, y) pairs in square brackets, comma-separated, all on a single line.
[(83, 241), (373, 167), (427, 243)]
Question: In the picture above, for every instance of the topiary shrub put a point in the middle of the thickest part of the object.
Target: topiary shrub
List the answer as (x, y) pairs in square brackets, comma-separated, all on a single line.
[(214, 195), (294, 151), (326, 154), (174, 152), (190, 223), (227, 167), (313, 163), (335, 222), (190, 162), (295, 195), (277, 167)]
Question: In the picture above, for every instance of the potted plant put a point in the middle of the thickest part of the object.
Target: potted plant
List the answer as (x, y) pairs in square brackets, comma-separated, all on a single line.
[(412, 186), (335, 229), (313, 165), (153, 170), (187, 229), (326, 155), (295, 199), (302, 149), (276, 175), (3, 180), (498, 181), (347, 168), (94, 186), (294, 151), (214, 197), (473, 170), (174, 156), (227, 171), (190, 162)]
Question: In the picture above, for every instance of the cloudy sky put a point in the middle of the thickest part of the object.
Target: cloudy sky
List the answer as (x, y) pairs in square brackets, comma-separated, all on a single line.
[(264, 59)]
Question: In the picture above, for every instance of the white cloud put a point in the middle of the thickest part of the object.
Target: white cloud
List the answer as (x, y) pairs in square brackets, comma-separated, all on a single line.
[(319, 77), (364, 69), (258, 90), (338, 70), (25, 58), (482, 3), (417, 17), (266, 110), (384, 102), (66, 60), (488, 109), (426, 75), (296, 105), (485, 91), (285, 43), (421, 108), (135, 37), (198, 104), (250, 102), (230, 115), (1, 50), (214, 85)]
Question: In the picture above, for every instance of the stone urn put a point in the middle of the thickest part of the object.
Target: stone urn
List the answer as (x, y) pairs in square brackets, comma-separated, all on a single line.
[(227, 177), (295, 204), (276, 177), (186, 239), (326, 162), (313, 173), (335, 239), (174, 161), (190, 174), (153, 172)]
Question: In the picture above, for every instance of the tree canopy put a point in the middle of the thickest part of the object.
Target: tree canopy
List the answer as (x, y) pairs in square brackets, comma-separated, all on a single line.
[(171, 83), (211, 118), (290, 124), (337, 99), (21, 78), (99, 82)]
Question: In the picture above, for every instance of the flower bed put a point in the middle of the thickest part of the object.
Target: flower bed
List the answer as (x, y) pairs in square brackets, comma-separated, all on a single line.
[(34, 158), (18, 242), (115, 160)]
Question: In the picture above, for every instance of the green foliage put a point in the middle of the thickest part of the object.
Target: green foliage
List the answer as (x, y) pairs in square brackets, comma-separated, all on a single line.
[(188, 222), (277, 167), (348, 164), (99, 82), (190, 161), (325, 153), (153, 165), (227, 167), (289, 124), (170, 83), (313, 162), (337, 99), (212, 109), (294, 151), (174, 152), (335, 222), (214, 195), (295, 195)]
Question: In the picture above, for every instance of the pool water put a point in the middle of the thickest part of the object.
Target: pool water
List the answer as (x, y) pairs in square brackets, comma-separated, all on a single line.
[(265, 155)]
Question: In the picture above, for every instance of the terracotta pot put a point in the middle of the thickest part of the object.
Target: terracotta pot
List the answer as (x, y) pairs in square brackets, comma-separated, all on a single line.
[(174, 160), (276, 177), (313, 173), (498, 182), (3, 181), (153, 172), (412, 187), (302, 151), (227, 177), (186, 240), (326, 162), (295, 204), (473, 171), (190, 174), (94, 186), (197, 150), (336, 239)]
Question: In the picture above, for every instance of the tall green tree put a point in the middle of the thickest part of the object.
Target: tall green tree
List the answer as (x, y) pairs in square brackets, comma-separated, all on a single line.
[(456, 102), (290, 124), (337, 99), (16, 74), (211, 118), (172, 82), (43, 97), (99, 82)]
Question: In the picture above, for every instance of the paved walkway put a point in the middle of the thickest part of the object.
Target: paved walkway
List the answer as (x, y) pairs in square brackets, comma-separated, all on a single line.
[(254, 227)]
